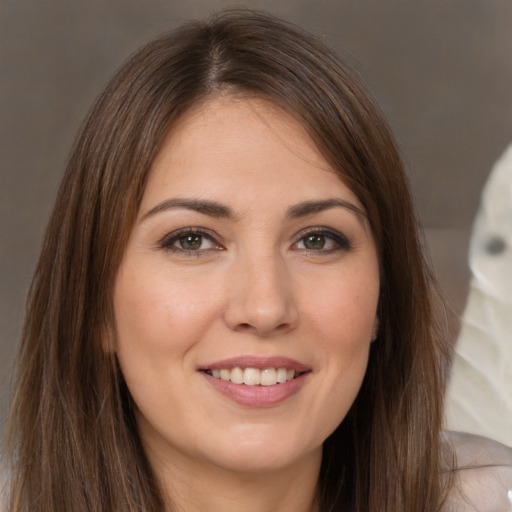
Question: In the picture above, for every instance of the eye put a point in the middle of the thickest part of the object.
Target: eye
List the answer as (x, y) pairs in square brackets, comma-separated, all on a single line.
[(322, 240), (315, 242), (193, 242), (190, 240)]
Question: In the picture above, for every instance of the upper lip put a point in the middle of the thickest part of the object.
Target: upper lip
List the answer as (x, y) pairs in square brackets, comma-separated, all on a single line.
[(258, 362)]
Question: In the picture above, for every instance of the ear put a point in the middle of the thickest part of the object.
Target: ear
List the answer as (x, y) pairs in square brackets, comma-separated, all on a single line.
[(375, 329)]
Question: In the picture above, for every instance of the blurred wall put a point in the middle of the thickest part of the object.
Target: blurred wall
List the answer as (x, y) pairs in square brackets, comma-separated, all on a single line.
[(442, 71)]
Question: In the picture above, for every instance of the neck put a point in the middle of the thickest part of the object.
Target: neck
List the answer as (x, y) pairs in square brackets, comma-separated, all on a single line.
[(201, 487)]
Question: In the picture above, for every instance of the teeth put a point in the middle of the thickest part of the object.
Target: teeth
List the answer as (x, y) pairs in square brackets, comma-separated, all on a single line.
[(237, 376), (254, 376), (268, 377), (282, 375)]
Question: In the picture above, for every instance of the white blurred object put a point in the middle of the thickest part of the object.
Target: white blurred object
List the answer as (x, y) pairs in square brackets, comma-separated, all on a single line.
[(480, 392)]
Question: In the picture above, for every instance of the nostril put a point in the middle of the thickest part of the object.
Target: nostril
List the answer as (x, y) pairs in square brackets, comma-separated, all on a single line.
[(262, 330)]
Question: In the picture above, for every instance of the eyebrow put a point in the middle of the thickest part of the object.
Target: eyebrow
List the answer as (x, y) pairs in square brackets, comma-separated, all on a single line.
[(218, 210), (211, 208), (311, 207)]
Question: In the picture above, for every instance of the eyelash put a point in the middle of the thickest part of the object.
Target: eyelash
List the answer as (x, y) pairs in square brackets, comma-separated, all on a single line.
[(168, 242), (342, 243)]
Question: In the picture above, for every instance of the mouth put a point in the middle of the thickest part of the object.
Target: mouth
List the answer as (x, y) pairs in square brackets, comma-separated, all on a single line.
[(256, 370), (254, 381), (250, 376)]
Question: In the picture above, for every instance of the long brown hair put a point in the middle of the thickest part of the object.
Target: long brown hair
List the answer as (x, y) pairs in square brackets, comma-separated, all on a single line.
[(72, 434)]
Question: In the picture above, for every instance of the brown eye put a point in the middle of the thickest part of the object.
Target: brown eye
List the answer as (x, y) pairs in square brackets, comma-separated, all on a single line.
[(323, 241), (190, 242), (314, 242)]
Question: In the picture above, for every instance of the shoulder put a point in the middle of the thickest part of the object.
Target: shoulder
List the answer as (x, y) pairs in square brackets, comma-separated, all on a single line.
[(482, 474)]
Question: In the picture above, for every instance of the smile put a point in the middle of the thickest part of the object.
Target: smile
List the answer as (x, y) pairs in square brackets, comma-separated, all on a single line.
[(254, 376), (257, 381)]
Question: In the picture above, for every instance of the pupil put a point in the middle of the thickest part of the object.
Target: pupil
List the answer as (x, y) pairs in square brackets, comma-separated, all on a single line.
[(315, 241), (191, 242)]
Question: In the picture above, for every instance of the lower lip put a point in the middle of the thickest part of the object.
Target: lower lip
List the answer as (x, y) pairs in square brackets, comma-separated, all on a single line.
[(257, 396)]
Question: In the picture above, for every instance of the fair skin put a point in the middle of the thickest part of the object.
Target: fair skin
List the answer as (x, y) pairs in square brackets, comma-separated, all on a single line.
[(248, 252)]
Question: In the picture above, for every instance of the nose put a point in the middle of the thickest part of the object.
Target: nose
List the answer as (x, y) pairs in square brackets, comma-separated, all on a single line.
[(261, 297)]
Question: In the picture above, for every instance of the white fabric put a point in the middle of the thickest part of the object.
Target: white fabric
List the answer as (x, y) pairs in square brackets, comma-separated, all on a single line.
[(480, 392), (483, 480)]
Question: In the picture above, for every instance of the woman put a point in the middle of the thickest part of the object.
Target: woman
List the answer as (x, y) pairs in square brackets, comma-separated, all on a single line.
[(231, 309)]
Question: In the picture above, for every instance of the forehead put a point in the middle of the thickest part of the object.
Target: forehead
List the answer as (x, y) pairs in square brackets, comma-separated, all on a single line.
[(230, 145)]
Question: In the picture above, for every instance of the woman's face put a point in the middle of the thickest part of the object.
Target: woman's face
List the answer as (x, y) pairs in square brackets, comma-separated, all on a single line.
[(250, 261)]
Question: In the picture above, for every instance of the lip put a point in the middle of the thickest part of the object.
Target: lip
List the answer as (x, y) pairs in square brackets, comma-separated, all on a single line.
[(257, 362), (257, 396)]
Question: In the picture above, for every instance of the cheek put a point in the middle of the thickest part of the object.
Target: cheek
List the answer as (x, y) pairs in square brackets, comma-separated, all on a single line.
[(160, 319), (343, 316), (156, 312), (344, 311)]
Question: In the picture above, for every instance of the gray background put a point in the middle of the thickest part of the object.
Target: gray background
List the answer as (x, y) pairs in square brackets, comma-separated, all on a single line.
[(442, 71)]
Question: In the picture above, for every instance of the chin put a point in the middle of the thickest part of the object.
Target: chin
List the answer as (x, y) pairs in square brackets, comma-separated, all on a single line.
[(259, 450)]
